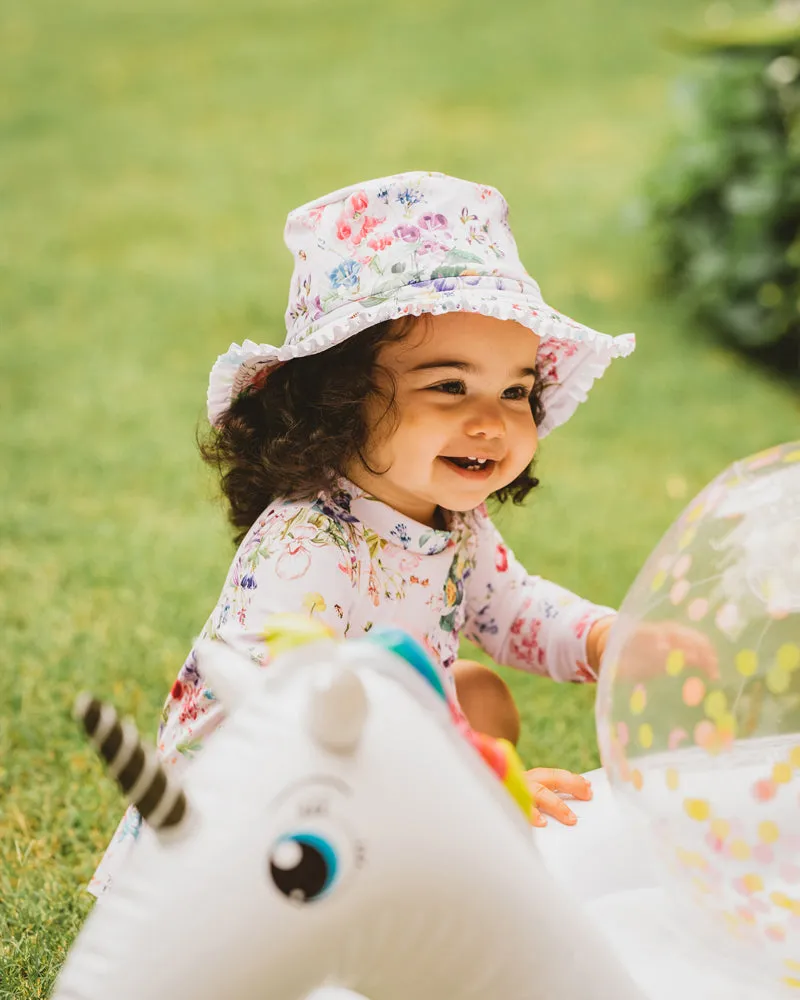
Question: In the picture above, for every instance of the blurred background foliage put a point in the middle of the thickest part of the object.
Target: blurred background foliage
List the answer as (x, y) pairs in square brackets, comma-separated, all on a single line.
[(726, 199)]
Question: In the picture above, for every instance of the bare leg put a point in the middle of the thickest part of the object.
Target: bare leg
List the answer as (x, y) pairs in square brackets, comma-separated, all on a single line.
[(486, 700)]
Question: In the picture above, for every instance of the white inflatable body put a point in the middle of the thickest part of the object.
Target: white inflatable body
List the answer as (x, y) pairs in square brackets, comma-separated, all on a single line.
[(339, 830)]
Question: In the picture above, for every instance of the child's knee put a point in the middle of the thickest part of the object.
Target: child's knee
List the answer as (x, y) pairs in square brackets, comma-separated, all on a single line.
[(486, 700)]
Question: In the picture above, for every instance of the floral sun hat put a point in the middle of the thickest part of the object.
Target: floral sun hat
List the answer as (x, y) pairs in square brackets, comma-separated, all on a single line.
[(405, 245)]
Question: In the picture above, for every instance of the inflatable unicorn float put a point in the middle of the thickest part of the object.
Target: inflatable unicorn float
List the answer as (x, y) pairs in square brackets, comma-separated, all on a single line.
[(343, 834)]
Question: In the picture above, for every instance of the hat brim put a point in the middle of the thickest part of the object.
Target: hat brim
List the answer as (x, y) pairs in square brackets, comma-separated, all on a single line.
[(571, 356)]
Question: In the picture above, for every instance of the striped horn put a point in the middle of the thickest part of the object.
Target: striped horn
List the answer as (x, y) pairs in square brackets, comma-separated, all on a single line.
[(142, 777)]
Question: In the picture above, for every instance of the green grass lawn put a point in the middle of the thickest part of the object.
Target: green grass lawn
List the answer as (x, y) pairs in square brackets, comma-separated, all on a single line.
[(150, 155)]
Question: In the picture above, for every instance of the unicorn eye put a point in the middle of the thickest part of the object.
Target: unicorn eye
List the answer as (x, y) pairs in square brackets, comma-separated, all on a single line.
[(303, 866)]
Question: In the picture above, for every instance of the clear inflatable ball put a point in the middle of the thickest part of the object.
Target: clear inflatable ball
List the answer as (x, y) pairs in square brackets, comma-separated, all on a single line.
[(698, 713)]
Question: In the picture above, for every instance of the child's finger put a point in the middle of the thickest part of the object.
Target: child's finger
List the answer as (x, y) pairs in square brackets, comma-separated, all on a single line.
[(558, 780), (698, 650), (549, 802), (537, 819)]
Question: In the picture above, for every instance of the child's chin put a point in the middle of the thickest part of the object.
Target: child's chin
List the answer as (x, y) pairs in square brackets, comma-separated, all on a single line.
[(462, 504)]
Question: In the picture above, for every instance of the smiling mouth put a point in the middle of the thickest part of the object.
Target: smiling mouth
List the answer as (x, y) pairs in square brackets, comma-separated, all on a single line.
[(470, 464)]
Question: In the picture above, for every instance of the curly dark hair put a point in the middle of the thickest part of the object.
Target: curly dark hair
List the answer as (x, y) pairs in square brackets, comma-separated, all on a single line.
[(294, 436)]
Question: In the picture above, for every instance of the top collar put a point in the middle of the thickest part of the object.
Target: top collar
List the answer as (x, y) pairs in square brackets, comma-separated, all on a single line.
[(389, 523)]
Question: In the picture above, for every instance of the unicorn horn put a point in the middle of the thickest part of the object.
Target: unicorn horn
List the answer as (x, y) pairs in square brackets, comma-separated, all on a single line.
[(143, 779), (338, 709)]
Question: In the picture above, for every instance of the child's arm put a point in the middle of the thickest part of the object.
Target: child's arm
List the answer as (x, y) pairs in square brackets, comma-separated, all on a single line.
[(301, 562), (305, 567), (526, 622)]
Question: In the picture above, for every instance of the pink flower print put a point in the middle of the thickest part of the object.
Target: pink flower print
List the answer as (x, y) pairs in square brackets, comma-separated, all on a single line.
[(501, 559), (314, 217), (566, 348), (410, 234), (519, 621), (367, 226), (189, 704), (485, 193), (431, 246), (358, 202), (372, 587), (409, 561), (546, 363), (379, 243), (432, 220), (579, 628), (295, 560), (525, 645), (343, 229)]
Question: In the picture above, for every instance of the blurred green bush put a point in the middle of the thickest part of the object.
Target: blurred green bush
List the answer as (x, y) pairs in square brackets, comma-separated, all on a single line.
[(725, 202)]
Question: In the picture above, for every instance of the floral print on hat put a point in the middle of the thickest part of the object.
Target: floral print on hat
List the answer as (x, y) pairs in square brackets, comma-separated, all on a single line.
[(405, 245)]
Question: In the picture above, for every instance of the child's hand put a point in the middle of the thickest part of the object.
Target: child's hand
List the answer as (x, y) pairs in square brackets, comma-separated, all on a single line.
[(544, 783), (647, 650), (654, 645)]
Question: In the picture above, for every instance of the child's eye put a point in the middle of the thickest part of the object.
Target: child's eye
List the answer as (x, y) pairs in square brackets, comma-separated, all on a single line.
[(455, 387), (517, 392)]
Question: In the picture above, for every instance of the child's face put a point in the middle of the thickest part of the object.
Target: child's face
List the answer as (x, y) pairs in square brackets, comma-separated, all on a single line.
[(462, 387)]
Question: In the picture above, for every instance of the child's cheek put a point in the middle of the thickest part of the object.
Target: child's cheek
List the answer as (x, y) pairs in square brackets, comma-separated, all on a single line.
[(526, 437)]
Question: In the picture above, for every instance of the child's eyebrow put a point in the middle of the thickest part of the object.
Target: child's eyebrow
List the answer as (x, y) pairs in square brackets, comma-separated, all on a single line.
[(465, 366)]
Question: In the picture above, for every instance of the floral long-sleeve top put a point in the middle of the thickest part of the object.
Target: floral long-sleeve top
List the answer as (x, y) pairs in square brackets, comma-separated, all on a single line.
[(354, 562)]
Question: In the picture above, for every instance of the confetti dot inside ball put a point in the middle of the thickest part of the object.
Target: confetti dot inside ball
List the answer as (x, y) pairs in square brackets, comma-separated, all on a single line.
[(698, 713)]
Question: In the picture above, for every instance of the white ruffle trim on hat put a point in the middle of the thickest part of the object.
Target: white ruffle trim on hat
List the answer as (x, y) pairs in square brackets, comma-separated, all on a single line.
[(241, 365)]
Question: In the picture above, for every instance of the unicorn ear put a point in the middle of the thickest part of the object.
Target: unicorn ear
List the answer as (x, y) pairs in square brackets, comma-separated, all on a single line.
[(338, 709), (230, 675), (146, 783)]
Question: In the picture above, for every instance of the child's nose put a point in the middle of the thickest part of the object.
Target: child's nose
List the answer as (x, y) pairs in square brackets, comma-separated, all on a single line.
[(485, 420)]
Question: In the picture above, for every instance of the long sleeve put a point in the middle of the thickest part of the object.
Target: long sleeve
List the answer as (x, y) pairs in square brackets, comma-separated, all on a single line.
[(521, 620), (295, 559), (300, 561)]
